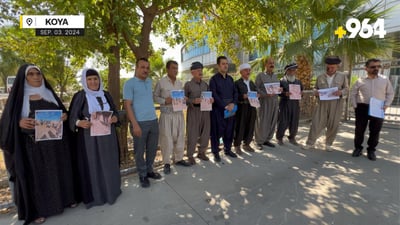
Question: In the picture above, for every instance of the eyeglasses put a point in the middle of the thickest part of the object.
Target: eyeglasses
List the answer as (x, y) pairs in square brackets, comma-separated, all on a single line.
[(374, 67)]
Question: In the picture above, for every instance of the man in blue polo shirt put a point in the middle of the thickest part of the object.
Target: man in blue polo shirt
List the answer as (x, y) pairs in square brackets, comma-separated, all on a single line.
[(139, 106)]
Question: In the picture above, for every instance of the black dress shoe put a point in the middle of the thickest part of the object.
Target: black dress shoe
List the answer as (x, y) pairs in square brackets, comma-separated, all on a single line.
[(154, 175), (182, 163), (217, 157), (357, 152), (144, 182), (269, 144), (371, 156), (231, 154), (167, 169)]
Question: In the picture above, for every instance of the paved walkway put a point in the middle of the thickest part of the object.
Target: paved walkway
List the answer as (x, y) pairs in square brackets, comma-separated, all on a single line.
[(279, 186)]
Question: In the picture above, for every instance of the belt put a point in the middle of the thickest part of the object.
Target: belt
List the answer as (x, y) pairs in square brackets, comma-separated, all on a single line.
[(166, 109)]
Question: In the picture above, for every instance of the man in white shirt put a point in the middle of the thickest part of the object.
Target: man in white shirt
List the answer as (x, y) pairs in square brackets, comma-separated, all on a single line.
[(171, 124), (371, 86)]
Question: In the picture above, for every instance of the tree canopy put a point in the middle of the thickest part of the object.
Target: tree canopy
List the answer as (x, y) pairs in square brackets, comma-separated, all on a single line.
[(119, 30)]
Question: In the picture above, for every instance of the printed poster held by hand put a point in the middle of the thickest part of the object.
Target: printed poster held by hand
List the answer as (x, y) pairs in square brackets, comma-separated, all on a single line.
[(100, 121), (178, 100), (253, 99), (295, 91), (206, 104), (48, 125), (273, 88), (326, 94)]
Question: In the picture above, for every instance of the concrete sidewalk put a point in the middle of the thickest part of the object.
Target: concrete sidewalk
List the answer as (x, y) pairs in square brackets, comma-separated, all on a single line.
[(283, 185)]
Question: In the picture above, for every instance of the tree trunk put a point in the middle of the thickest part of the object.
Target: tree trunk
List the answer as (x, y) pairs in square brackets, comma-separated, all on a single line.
[(114, 66), (304, 71)]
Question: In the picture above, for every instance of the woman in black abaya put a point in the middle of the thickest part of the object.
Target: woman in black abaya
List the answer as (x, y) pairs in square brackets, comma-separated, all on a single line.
[(41, 170), (98, 156)]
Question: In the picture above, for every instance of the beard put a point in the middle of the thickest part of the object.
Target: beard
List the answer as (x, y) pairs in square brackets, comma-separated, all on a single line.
[(291, 78)]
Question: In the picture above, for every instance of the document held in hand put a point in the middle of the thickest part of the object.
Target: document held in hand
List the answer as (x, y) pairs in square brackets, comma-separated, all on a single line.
[(253, 99), (178, 100), (206, 104), (295, 91), (273, 88), (228, 114), (376, 108), (327, 94)]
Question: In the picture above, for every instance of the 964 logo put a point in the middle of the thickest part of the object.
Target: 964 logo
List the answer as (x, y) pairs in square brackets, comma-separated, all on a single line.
[(363, 28)]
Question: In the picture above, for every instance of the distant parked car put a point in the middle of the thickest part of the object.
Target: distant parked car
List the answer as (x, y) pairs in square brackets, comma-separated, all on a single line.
[(10, 82)]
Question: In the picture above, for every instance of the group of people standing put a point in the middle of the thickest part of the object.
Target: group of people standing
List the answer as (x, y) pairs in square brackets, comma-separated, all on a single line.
[(277, 112), (328, 113), (228, 97), (50, 175)]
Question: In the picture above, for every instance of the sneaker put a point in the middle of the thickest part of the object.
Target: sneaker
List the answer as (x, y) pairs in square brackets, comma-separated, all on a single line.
[(182, 163), (280, 142), (167, 169), (217, 158), (238, 150), (328, 148), (154, 175), (371, 155), (248, 148), (203, 156), (191, 160), (144, 182), (231, 154), (307, 147)]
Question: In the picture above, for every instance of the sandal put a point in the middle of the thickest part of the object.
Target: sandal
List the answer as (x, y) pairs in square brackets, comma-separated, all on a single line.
[(40, 220), (74, 205)]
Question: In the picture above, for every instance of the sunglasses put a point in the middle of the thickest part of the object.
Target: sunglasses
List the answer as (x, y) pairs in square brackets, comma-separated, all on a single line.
[(374, 67)]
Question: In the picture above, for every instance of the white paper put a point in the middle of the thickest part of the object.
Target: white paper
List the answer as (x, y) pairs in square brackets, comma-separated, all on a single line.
[(376, 108), (327, 94), (253, 99), (273, 88)]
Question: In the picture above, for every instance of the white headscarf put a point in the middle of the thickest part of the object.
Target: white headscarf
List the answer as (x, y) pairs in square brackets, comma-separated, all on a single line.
[(93, 103), (45, 93)]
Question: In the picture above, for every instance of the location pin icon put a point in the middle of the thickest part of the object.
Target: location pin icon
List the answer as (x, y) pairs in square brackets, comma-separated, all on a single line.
[(29, 21)]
